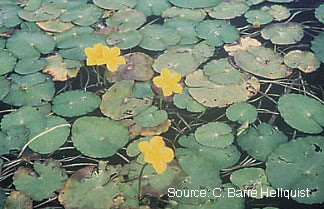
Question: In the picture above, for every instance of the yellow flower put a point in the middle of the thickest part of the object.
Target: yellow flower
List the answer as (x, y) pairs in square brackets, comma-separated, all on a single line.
[(168, 82), (103, 55), (156, 153)]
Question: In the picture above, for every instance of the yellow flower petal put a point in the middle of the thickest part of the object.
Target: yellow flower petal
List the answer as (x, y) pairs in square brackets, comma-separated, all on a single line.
[(89, 52), (91, 62), (144, 147), (175, 77), (157, 141), (120, 60), (112, 67), (165, 73), (177, 88), (114, 52), (158, 81), (159, 167), (167, 154), (167, 91)]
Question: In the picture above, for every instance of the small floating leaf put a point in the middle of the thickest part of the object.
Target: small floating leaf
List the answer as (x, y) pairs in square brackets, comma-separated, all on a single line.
[(4, 87), (185, 101), (75, 103), (277, 11), (115, 4), (124, 39), (30, 65), (281, 1), (18, 200), (283, 33), (242, 44), (261, 141), (13, 138), (303, 60), (196, 15), (317, 46), (98, 136), (258, 17), (9, 15), (43, 13), (152, 7), (302, 113), (242, 112), (319, 13), (228, 10), (55, 25), (42, 182), (194, 3), (186, 29), (83, 15), (7, 61), (128, 19), (151, 117)]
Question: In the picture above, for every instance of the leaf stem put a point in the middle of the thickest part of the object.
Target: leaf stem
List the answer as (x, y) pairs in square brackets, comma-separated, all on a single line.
[(140, 182)]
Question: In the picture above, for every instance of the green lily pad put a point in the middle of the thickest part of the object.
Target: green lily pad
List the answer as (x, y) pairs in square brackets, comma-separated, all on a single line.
[(303, 60), (61, 69), (73, 47), (117, 104), (83, 15), (302, 113), (210, 94), (42, 182), (261, 141), (3, 195), (152, 7), (7, 61), (195, 4), (253, 181), (228, 10), (317, 46), (18, 200), (281, 1), (196, 15), (32, 5), (33, 89), (222, 72), (278, 12), (158, 37), (4, 87), (185, 101), (202, 51), (98, 136), (64, 5), (115, 4), (91, 187), (55, 25), (72, 33), (29, 65), (43, 13), (319, 13), (242, 112), (49, 141), (29, 44), (214, 134), (128, 19), (124, 39), (138, 67), (13, 138), (262, 62), (258, 17), (151, 117), (283, 33), (185, 28), (142, 90), (132, 149), (75, 103), (303, 160), (254, 2), (2, 43), (9, 15), (217, 32)]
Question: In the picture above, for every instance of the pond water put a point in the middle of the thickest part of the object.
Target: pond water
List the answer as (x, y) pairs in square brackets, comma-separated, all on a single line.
[(213, 144)]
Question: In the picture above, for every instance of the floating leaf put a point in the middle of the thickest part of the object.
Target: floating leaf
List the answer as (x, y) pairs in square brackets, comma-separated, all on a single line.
[(303, 160), (138, 67), (42, 182), (49, 136), (242, 112), (195, 4), (258, 17), (261, 141), (281, 1), (157, 130), (32, 5), (90, 187), (98, 136), (132, 149), (33, 89), (117, 104), (158, 38), (63, 5), (283, 33), (242, 44), (61, 69), (302, 113), (73, 32), (254, 2), (217, 32), (13, 139), (253, 181), (7, 61), (151, 117), (214, 134), (210, 94), (30, 65), (185, 28), (115, 4), (55, 25), (83, 15), (128, 19), (43, 13), (9, 15), (262, 62), (75, 103), (228, 10), (319, 13), (278, 12), (3, 195), (317, 46), (142, 90), (4, 87), (196, 15), (222, 72), (152, 7), (185, 101), (18, 200), (28, 44), (124, 39), (303, 60)]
